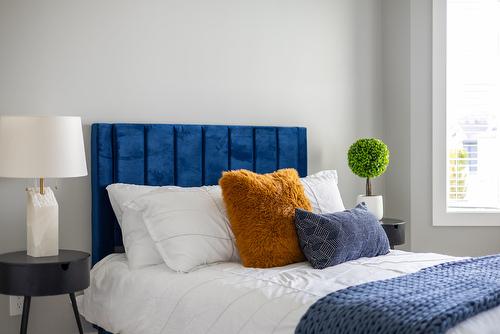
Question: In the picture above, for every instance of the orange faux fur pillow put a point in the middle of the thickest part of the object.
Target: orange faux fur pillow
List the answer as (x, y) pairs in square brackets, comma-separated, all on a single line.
[(261, 209)]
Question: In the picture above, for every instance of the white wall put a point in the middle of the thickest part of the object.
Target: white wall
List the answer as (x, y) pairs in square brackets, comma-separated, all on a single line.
[(280, 62)]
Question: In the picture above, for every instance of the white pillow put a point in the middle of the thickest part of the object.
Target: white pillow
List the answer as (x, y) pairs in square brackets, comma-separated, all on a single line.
[(121, 193), (189, 226), (322, 191), (139, 247)]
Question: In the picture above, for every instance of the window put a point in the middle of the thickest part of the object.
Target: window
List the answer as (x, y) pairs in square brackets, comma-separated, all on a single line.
[(466, 112)]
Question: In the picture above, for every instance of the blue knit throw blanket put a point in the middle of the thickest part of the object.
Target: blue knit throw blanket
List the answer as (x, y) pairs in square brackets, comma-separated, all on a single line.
[(431, 300)]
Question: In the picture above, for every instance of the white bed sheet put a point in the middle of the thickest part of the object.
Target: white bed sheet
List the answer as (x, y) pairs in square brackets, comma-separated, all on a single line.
[(229, 298)]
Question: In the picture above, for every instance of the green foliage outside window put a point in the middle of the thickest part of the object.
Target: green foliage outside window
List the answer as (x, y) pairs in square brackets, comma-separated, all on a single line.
[(458, 169)]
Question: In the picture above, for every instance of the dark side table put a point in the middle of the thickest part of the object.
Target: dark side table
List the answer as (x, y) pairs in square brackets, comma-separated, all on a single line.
[(395, 230), (23, 275)]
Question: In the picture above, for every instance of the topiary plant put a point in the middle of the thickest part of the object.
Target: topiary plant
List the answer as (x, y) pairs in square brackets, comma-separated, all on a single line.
[(368, 158)]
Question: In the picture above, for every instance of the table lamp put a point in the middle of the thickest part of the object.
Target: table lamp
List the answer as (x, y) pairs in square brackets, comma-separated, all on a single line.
[(41, 147)]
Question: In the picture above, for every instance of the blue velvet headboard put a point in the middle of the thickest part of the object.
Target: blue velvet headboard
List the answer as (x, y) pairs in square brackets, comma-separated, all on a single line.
[(184, 155)]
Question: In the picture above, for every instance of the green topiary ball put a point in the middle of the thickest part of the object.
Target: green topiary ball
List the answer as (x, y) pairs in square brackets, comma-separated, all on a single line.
[(368, 157)]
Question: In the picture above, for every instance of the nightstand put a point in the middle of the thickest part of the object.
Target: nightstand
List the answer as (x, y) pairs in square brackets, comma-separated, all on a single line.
[(395, 230), (23, 275)]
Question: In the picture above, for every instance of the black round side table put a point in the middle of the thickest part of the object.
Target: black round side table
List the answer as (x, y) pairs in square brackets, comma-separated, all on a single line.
[(23, 275), (395, 230)]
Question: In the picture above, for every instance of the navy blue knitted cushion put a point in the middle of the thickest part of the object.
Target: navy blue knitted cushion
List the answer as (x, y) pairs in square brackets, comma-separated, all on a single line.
[(333, 238)]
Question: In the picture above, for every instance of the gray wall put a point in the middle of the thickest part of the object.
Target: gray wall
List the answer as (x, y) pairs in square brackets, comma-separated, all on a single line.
[(281, 62), (396, 108), (424, 236), (407, 108)]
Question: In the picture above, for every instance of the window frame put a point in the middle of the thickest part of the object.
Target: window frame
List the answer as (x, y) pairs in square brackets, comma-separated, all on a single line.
[(440, 215)]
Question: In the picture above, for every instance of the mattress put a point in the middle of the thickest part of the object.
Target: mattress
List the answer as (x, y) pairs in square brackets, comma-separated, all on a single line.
[(229, 298)]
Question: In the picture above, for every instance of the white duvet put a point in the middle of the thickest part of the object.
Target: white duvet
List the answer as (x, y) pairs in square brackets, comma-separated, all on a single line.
[(229, 298)]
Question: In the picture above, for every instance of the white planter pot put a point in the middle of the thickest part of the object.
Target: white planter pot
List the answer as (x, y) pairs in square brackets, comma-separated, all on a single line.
[(375, 204)]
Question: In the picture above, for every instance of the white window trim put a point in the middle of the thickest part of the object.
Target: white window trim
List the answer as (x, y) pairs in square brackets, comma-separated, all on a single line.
[(440, 215)]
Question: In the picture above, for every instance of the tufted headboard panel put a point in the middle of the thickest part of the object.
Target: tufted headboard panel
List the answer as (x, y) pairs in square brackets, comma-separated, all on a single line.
[(183, 155)]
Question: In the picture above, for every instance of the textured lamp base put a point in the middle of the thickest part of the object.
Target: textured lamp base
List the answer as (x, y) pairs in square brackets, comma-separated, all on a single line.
[(42, 223)]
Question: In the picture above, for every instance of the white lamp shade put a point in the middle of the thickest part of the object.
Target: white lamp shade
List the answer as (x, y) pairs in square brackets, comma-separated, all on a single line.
[(41, 147)]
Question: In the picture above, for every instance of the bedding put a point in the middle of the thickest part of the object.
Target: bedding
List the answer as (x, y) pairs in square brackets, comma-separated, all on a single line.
[(261, 208), (441, 297), (332, 238), (139, 247), (229, 298), (189, 226), (121, 193), (322, 191), (320, 188)]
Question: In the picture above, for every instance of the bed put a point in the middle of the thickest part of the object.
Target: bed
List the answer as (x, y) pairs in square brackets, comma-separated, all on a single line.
[(221, 297)]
